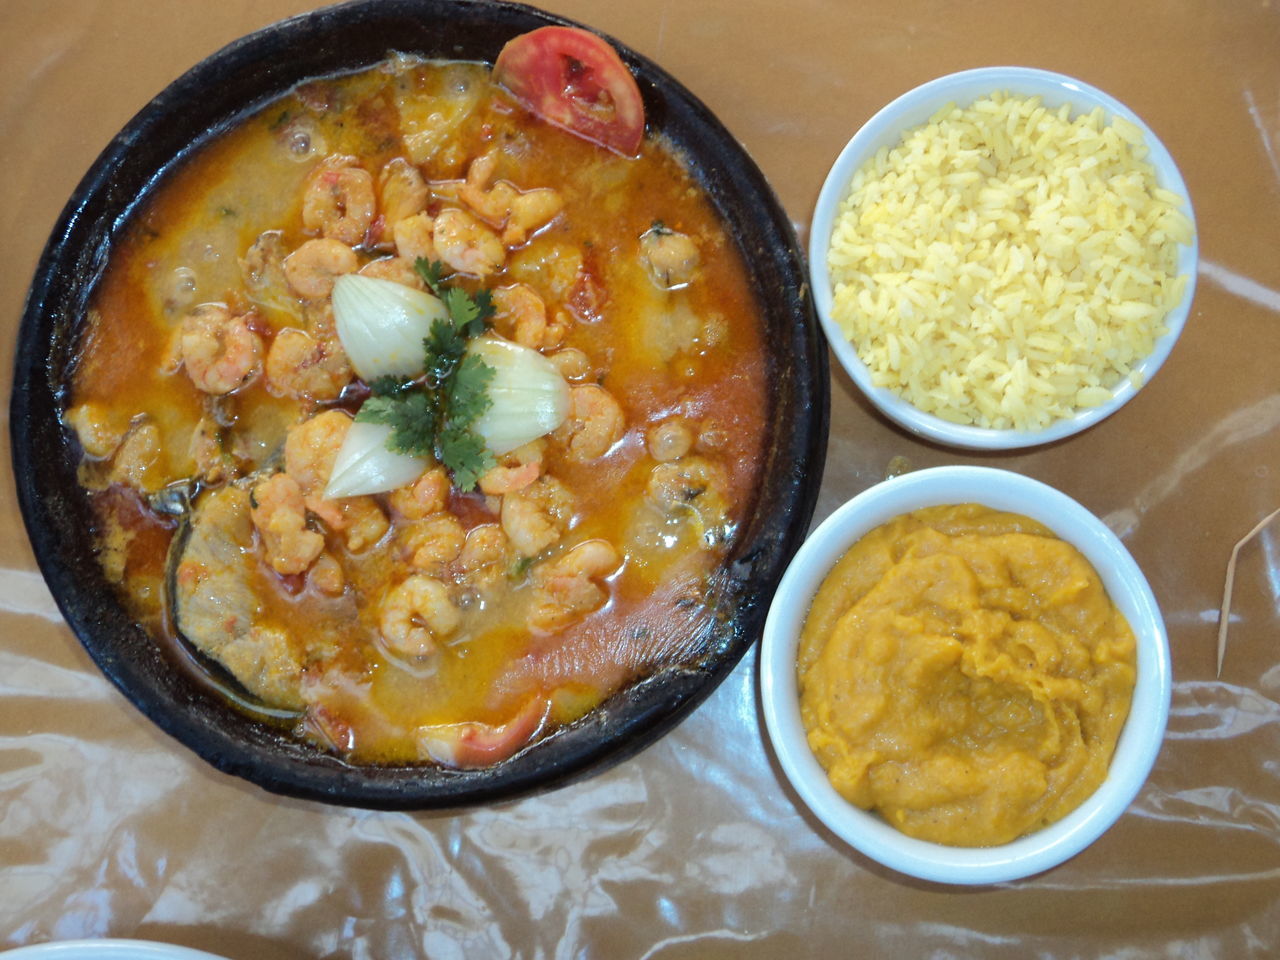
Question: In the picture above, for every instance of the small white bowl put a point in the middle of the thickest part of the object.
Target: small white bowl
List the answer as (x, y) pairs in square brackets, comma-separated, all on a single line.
[(885, 129), (1139, 740)]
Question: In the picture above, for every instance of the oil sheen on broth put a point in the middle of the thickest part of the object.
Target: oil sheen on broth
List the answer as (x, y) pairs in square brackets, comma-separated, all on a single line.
[(427, 622)]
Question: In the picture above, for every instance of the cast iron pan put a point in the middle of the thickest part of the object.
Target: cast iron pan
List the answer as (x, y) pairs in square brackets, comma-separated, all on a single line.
[(238, 80)]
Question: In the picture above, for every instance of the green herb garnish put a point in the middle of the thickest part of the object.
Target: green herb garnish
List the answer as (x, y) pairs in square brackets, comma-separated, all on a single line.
[(433, 415)]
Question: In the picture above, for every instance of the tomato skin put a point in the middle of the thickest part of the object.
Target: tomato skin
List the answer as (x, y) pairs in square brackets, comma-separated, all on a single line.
[(575, 80)]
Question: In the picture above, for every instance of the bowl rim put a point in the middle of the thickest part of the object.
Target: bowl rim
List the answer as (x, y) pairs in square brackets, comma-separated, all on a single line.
[(886, 126), (1140, 739), (189, 112)]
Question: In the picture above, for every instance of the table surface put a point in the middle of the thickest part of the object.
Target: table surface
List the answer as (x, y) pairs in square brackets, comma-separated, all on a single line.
[(697, 847)]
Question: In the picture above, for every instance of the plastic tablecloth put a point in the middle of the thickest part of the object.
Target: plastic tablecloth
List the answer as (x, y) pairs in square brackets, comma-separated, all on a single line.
[(697, 847)]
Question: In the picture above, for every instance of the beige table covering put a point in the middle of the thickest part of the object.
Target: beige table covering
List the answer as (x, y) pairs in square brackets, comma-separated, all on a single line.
[(697, 848)]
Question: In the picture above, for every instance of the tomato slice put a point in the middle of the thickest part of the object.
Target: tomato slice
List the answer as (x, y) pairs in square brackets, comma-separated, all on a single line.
[(577, 81)]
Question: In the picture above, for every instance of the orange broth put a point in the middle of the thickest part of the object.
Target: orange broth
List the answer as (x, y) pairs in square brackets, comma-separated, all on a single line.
[(693, 353)]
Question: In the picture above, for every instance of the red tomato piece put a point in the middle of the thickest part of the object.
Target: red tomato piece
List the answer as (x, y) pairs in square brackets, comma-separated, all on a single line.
[(577, 81)]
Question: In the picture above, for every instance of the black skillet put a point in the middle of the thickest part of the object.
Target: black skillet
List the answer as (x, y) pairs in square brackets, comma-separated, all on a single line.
[(235, 81)]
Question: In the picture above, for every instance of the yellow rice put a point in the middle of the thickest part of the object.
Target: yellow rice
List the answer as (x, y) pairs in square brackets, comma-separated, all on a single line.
[(1006, 265)]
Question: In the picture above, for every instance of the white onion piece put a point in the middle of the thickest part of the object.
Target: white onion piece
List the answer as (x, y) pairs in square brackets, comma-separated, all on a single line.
[(364, 464), (530, 398), (382, 325)]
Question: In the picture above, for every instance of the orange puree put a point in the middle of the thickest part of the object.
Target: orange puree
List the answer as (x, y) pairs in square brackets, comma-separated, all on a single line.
[(963, 672)]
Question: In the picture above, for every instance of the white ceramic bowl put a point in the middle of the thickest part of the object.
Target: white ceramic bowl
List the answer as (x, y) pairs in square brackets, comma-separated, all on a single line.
[(1139, 740), (885, 129), (106, 950)]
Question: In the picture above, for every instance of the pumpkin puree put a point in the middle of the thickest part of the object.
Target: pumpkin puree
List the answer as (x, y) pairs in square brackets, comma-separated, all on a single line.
[(963, 672)]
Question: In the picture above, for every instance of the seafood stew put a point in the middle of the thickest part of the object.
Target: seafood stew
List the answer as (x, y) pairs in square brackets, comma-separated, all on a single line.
[(249, 479)]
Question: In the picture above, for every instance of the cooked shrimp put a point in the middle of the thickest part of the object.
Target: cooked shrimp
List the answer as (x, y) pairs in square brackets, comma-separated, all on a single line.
[(338, 200), (327, 576), (363, 523), (309, 452), (314, 266), (396, 269), (669, 440), (515, 470), (554, 268), (516, 212), (221, 352), (567, 588), (300, 366), (414, 238), (416, 614), (280, 516), (531, 210), (427, 495), (432, 542), (595, 422), (671, 258), (467, 245), (521, 314), (402, 191), (483, 560), (573, 364), (499, 480), (311, 447), (537, 516), (95, 428)]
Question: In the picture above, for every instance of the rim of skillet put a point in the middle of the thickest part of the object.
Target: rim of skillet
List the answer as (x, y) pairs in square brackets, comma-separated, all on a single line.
[(233, 83)]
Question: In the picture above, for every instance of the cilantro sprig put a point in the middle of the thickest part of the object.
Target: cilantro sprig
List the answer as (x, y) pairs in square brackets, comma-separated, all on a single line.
[(434, 414)]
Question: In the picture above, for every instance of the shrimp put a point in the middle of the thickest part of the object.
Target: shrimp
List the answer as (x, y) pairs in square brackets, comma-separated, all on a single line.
[(467, 245), (483, 560), (595, 422), (572, 363), (303, 367), (414, 238), (309, 452), (416, 614), (567, 588), (520, 311), (221, 352), (515, 471), (432, 542), (402, 190), (554, 268), (314, 266), (669, 440), (310, 449), (326, 575), (338, 200), (362, 522), (537, 516), (499, 480), (427, 495), (396, 269), (517, 213), (671, 258), (280, 517)]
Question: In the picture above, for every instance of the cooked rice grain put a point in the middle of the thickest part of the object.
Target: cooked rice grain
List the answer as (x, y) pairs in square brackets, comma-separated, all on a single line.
[(1006, 265)]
